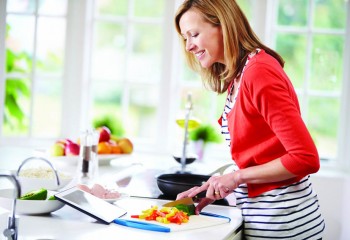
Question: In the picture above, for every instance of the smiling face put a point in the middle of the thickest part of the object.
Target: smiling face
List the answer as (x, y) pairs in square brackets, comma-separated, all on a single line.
[(203, 39)]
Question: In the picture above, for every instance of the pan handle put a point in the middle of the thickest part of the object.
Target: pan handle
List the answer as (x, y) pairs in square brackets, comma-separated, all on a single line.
[(221, 169)]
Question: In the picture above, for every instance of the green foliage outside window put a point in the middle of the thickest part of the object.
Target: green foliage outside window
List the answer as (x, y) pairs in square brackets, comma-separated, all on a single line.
[(15, 89)]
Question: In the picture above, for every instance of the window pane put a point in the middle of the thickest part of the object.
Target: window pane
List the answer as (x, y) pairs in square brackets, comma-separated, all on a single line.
[(53, 7), (21, 6), (47, 108), (50, 45), (112, 7), (19, 43), (108, 60), (327, 62), (293, 48), (188, 74), (144, 63), (16, 111), (107, 97), (206, 104), (142, 121), (149, 8), (323, 122), (246, 6), (292, 12), (330, 14)]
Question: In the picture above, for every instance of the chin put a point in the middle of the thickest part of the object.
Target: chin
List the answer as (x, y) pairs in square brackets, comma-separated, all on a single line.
[(206, 64)]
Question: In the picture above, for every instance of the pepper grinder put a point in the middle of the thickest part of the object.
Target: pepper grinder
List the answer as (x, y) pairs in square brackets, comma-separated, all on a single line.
[(87, 165)]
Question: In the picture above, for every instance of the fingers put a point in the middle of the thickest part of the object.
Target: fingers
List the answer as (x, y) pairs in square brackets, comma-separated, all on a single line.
[(217, 190), (217, 187), (189, 193), (196, 190)]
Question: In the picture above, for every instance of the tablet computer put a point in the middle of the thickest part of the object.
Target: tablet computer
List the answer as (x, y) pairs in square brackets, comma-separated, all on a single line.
[(90, 205)]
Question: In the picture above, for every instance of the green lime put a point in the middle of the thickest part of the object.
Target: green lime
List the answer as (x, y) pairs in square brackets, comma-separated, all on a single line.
[(192, 123), (40, 194), (52, 197)]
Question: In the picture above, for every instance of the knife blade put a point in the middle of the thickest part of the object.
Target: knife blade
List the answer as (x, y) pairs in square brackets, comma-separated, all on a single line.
[(186, 201)]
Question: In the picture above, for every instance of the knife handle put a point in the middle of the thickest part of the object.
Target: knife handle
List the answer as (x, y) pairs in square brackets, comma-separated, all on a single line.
[(201, 195)]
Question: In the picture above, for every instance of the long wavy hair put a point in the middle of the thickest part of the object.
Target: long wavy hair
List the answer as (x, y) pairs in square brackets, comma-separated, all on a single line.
[(239, 40)]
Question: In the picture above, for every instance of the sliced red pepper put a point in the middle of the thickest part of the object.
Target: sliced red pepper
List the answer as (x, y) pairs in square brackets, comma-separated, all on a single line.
[(153, 215), (165, 216)]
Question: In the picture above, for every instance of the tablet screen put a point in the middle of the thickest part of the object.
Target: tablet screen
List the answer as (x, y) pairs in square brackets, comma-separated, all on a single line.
[(90, 205)]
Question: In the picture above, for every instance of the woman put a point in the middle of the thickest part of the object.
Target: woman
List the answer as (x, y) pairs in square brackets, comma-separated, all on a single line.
[(261, 121)]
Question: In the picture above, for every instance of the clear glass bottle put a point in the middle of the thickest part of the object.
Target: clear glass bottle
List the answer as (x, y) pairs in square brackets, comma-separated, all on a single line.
[(88, 165)]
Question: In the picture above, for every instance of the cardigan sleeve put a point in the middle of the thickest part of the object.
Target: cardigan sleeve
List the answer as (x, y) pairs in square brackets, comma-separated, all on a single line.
[(273, 96)]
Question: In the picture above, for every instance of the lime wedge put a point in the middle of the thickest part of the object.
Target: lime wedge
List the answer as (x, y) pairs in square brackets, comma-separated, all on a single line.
[(192, 123), (52, 197), (40, 194)]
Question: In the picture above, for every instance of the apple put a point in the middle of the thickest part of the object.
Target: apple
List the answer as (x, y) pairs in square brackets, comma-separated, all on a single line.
[(57, 149), (105, 134), (71, 149), (126, 145)]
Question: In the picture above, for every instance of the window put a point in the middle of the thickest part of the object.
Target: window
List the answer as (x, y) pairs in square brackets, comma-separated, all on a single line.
[(70, 63), (311, 36), (126, 64), (32, 78)]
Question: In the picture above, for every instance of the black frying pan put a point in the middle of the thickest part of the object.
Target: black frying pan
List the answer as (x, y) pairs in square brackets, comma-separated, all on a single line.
[(173, 184)]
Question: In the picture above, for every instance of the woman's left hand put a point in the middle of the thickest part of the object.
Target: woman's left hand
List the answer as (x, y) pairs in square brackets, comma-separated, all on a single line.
[(217, 187)]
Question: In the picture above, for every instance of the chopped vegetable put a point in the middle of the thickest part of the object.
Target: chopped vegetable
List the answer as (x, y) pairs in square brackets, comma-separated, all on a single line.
[(189, 209), (40, 194), (164, 215), (52, 197)]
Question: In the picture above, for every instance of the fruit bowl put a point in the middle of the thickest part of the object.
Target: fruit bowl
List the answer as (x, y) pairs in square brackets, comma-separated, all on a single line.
[(29, 207)]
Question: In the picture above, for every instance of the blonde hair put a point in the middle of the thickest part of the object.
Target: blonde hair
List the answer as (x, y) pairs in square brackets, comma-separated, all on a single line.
[(238, 39)]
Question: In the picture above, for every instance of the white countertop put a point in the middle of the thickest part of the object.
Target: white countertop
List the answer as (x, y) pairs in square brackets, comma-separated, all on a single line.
[(68, 223)]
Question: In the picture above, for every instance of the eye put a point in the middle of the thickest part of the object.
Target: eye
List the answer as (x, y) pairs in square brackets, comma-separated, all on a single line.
[(194, 35)]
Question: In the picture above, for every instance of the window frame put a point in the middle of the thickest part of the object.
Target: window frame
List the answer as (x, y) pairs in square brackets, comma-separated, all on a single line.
[(341, 161)]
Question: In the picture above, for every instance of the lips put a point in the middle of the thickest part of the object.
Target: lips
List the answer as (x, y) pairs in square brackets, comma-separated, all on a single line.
[(199, 54)]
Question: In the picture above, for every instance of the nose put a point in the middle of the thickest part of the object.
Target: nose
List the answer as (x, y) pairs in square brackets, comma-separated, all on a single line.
[(189, 45)]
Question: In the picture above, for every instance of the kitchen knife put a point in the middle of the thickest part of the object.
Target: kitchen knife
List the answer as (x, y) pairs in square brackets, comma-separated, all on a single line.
[(186, 201)]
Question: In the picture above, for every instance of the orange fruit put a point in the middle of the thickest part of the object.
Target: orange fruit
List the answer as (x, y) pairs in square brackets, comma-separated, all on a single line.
[(116, 149), (104, 148)]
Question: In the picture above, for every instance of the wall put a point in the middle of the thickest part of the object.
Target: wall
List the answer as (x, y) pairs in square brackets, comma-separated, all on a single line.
[(333, 190)]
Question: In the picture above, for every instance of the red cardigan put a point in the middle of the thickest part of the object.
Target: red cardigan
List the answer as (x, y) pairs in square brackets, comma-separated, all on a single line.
[(266, 124)]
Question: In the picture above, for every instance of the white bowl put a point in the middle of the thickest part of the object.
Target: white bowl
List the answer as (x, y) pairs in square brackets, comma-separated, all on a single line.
[(48, 182), (30, 184), (29, 207)]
